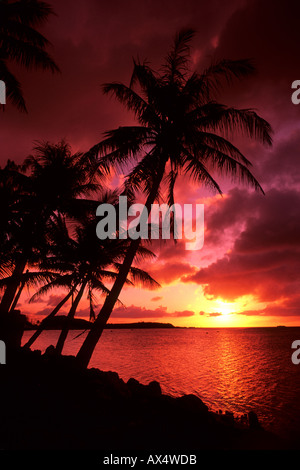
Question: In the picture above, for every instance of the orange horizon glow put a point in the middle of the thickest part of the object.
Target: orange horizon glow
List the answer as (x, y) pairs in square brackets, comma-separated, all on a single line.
[(218, 313)]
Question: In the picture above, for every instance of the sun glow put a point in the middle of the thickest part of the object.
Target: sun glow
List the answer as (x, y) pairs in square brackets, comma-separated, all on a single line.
[(225, 308)]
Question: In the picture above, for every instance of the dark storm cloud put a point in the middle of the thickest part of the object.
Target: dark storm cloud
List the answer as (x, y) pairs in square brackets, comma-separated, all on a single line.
[(94, 42), (266, 32), (265, 259)]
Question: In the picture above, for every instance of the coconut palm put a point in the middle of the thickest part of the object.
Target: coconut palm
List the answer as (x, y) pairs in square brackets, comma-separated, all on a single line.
[(12, 186), (181, 129), (86, 264), (57, 181), (14, 189), (21, 43)]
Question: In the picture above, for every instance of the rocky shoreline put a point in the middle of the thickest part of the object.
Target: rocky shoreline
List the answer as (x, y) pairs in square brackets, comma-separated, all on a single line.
[(49, 402)]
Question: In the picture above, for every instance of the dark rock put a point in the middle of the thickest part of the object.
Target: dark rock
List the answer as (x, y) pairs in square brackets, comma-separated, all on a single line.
[(50, 351), (154, 389), (49, 400), (253, 420), (12, 327), (228, 418), (191, 403), (117, 384), (109, 383), (138, 390), (135, 387)]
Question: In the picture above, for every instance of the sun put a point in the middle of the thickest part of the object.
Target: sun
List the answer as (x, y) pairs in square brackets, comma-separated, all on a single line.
[(225, 308)]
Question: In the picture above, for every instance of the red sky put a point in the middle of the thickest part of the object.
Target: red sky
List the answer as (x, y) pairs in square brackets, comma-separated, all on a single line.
[(248, 272)]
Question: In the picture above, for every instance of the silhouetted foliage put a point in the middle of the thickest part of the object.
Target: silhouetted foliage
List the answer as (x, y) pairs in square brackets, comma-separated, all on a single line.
[(181, 129)]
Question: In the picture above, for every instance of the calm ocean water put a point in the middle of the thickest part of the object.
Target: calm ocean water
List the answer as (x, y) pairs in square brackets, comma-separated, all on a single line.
[(234, 369)]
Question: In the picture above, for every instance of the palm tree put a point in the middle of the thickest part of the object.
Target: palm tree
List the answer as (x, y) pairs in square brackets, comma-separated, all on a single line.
[(57, 182), (95, 263), (21, 43), (85, 263), (12, 186), (181, 130)]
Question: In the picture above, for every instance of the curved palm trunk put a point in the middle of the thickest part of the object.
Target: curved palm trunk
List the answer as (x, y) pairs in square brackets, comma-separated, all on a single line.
[(18, 295), (12, 323), (64, 332), (12, 286), (46, 320), (86, 351)]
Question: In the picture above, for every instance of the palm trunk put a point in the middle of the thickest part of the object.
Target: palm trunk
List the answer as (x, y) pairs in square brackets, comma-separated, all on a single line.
[(86, 351), (12, 323), (18, 295), (12, 286), (64, 332), (46, 320)]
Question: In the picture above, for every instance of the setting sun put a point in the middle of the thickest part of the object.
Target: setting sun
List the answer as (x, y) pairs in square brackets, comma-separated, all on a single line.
[(225, 308)]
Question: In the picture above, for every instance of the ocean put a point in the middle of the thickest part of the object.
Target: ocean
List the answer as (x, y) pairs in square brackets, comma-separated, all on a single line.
[(230, 369)]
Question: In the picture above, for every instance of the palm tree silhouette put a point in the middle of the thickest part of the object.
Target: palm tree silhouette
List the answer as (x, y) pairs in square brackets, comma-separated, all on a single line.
[(94, 265), (58, 183), (84, 263), (181, 130), (20, 42)]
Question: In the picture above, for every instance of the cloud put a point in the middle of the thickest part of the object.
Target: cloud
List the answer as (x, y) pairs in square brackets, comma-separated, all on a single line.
[(287, 307), (167, 273), (280, 168), (135, 312), (210, 314), (265, 258), (93, 43), (156, 299), (44, 312), (257, 23)]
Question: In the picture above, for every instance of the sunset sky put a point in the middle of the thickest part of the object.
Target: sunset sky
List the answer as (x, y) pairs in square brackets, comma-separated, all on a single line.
[(248, 272)]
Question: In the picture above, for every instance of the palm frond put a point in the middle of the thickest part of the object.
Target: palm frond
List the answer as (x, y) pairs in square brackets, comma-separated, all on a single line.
[(211, 80), (144, 76), (225, 164), (197, 170), (222, 144), (120, 145), (65, 282), (133, 101), (246, 121), (13, 87), (28, 55), (177, 61), (141, 277), (30, 12)]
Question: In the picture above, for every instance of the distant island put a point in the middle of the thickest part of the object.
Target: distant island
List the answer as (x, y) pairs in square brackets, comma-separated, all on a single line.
[(57, 323)]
